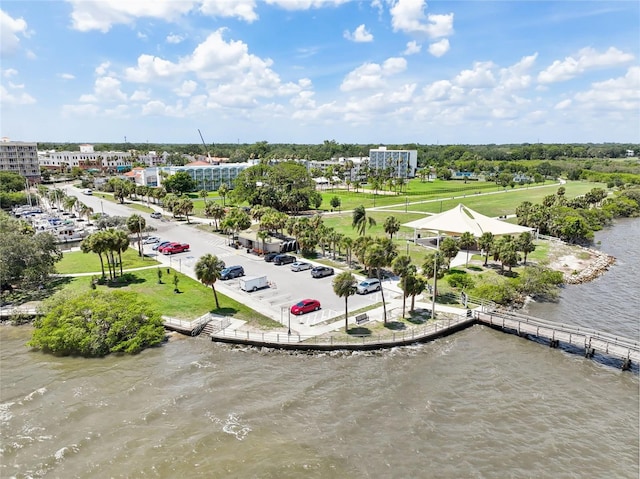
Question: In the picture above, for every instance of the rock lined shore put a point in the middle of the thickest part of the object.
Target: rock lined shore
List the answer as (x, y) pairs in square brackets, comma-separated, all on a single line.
[(599, 264)]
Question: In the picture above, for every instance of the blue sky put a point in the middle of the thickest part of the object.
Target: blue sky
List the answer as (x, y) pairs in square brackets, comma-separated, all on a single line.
[(306, 71)]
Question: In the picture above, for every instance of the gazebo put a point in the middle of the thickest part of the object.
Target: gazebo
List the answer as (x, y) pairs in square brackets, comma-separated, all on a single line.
[(462, 219)]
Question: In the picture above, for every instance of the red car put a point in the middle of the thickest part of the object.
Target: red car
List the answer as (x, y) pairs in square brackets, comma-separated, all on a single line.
[(305, 306), (172, 248)]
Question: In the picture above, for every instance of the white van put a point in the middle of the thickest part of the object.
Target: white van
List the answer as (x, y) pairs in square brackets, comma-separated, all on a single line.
[(88, 192)]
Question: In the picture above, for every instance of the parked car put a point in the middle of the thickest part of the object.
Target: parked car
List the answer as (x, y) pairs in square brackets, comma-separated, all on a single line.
[(151, 240), (368, 285), (156, 215), (232, 272), (321, 271), (156, 247), (305, 306), (284, 259), (173, 248), (269, 257), (300, 266)]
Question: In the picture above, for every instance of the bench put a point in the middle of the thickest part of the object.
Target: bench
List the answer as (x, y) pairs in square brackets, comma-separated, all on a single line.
[(362, 318)]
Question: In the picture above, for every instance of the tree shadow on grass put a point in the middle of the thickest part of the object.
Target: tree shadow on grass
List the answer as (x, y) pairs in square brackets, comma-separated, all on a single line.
[(475, 268), (124, 281), (395, 325), (225, 311), (359, 331), (419, 316), (20, 296)]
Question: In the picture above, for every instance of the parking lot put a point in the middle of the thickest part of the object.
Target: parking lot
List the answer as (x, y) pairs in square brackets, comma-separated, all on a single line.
[(287, 287)]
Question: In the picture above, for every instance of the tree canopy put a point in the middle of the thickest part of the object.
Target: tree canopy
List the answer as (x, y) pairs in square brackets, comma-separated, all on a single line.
[(26, 259), (96, 323)]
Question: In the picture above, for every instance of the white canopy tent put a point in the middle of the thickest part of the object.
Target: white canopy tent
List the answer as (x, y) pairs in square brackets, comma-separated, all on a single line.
[(461, 219)]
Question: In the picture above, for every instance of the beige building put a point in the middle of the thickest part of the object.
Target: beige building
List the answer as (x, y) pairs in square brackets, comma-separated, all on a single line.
[(20, 157)]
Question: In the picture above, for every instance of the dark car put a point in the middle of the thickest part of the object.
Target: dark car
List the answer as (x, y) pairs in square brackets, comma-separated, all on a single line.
[(305, 306), (284, 259), (269, 257), (321, 271), (160, 245), (232, 272)]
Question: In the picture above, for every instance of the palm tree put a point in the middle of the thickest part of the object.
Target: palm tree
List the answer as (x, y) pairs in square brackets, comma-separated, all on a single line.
[(136, 225), (185, 207), (91, 245), (121, 244), (223, 191), (402, 267), (347, 244), (360, 220), (467, 240), (391, 226), (416, 284), (344, 285), (525, 244), (207, 271), (376, 257), (216, 211), (485, 242)]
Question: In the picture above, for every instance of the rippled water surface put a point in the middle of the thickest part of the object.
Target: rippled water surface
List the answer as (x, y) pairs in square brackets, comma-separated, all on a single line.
[(478, 404)]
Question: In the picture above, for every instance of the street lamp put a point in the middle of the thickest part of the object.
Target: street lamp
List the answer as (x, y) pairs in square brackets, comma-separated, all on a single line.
[(102, 207), (435, 277), (289, 331)]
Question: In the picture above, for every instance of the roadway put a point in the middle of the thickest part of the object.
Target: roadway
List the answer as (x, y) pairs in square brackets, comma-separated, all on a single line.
[(287, 287)]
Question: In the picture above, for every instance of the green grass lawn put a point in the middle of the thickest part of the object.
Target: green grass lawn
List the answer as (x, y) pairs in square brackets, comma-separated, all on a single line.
[(193, 300), (77, 262)]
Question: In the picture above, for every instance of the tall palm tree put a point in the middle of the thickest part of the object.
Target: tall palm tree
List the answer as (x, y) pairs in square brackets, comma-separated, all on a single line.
[(360, 220), (485, 242), (136, 225), (376, 257), (391, 226), (207, 271), (402, 267), (467, 240), (344, 285), (90, 245), (347, 243), (121, 243), (185, 207), (223, 191), (525, 244)]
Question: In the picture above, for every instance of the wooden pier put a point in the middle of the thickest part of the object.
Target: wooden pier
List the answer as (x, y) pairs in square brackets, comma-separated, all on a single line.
[(590, 341)]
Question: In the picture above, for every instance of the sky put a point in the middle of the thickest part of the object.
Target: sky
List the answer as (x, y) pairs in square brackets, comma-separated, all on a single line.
[(309, 71)]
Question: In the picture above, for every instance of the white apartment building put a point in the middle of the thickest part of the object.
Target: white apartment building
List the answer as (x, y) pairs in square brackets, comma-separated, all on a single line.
[(87, 159), (20, 157), (401, 163), (207, 176)]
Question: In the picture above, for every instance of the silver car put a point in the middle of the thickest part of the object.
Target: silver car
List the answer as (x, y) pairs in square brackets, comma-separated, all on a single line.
[(300, 266), (368, 285)]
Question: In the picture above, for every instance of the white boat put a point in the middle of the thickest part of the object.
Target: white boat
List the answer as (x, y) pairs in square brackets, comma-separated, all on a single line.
[(63, 230)]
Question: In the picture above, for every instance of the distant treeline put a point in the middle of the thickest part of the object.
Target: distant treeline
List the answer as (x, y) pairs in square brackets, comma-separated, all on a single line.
[(438, 155)]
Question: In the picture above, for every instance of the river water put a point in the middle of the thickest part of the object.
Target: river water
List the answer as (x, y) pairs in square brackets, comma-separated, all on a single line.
[(479, 404)]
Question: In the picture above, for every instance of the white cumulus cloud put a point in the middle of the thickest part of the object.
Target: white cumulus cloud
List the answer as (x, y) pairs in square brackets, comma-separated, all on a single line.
[(408, 16), (174, 38), (10, 28), (439, 48), (372, 75), (359, 35), (585, 59), (413, 47)]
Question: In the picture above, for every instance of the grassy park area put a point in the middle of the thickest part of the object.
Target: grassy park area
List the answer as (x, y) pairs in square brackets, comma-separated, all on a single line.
[(193, 300)]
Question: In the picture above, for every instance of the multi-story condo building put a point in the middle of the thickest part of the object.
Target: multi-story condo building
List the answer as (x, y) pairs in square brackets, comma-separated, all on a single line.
[(20, 157), (400, 163), (87, 159), (207, 176)]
